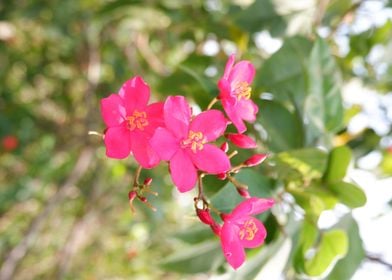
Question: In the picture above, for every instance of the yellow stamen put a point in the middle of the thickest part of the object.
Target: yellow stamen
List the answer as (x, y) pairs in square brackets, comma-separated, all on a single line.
[(242, 90), (137, 120), (248, 231), (195, 141)]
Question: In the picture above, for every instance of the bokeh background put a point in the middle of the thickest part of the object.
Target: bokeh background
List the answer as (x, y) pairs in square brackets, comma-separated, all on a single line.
[(323, 85)]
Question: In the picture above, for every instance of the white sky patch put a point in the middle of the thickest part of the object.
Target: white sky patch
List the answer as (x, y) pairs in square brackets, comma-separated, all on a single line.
[(211, 47), (370, 161), (211, 71)]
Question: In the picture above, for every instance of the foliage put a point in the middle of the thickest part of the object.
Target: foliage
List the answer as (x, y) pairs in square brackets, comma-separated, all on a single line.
[(63, 204)]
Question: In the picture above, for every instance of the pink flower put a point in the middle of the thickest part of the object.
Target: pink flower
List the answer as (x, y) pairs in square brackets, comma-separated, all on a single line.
[(240, 230), (184, 142), (131, 122), (235, 92)]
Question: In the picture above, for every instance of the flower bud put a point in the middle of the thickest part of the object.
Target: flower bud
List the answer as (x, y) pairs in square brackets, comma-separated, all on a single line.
[(205, 216), (216, 228), (221, 176), (255, 160), (132, 195), (243, 192), (241, 140), (9, 143), (147, 181), (224, 147), (224, 216)]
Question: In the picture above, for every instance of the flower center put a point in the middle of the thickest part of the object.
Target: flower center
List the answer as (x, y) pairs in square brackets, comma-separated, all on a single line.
[(137, 120), (195, 141), (248, 230), (242, 90)]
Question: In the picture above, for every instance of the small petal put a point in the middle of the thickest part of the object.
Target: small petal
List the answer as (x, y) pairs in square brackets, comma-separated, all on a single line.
[(135, 93), (252, 232), (247, 110), (251, 206), (211, 123), (155, 118), (164, 143), (118, 142), (243, 71), (229, 66), (242, 141), (231, 245), (177, 114), (144, 154), (234, 115), (182, 171), (113, 110), (210, 159)]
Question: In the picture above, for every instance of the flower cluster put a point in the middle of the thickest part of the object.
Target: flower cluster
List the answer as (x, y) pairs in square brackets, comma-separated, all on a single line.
[(169, 131)]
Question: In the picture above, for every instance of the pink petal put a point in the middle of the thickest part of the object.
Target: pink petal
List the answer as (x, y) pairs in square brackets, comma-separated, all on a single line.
[(247, 110), (241, 140), (211, 123), (112, 110), (183, 172), (251, 206), (233, 115), (135, 93), (231, 245), (225, 92), (252, 232), (164, 143), (177, 115), (210, 159), (243, 71), (229, 66), (118, 142), (154, 117), (144, 154)]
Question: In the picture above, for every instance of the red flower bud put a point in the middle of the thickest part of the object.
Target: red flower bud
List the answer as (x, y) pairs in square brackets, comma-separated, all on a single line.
[(9, 143), (255, 159), (221, 176), (132, 195), (241, 140), (147, 181), (216, 228), (243, 192), (224, 147), (205, 216)]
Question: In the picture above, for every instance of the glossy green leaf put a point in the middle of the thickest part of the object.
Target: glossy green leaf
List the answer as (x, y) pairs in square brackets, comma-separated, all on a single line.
[(284, 129), (346, 267), (349, 194), (338, 162), (323, 105)]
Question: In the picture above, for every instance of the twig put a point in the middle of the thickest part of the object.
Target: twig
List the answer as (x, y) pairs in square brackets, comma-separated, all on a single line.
[(377, 259)]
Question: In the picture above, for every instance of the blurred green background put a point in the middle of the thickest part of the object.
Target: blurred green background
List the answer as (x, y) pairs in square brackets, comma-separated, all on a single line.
[(323, 85)]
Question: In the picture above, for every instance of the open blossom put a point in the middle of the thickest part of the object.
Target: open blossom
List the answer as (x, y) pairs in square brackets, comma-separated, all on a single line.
[(184, 142), (131, 122), (235, 92), (240, 230)]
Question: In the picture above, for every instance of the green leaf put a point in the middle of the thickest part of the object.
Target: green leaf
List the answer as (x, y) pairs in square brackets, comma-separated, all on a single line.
[(194, 235), (346, 267), (283, 74), (309, 163), (195, 259), (338, 162), (349, 194), (323, 105), (333, 246), (284, 129)]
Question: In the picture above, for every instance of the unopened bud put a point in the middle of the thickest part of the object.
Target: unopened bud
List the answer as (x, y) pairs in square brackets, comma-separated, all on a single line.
[(205, 216), (147, 181), (143, 199), (255, 160), (10, 143), (243, 192), (132, 195), (225, 147), (221, 176), (216, 228), (242, 141)]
